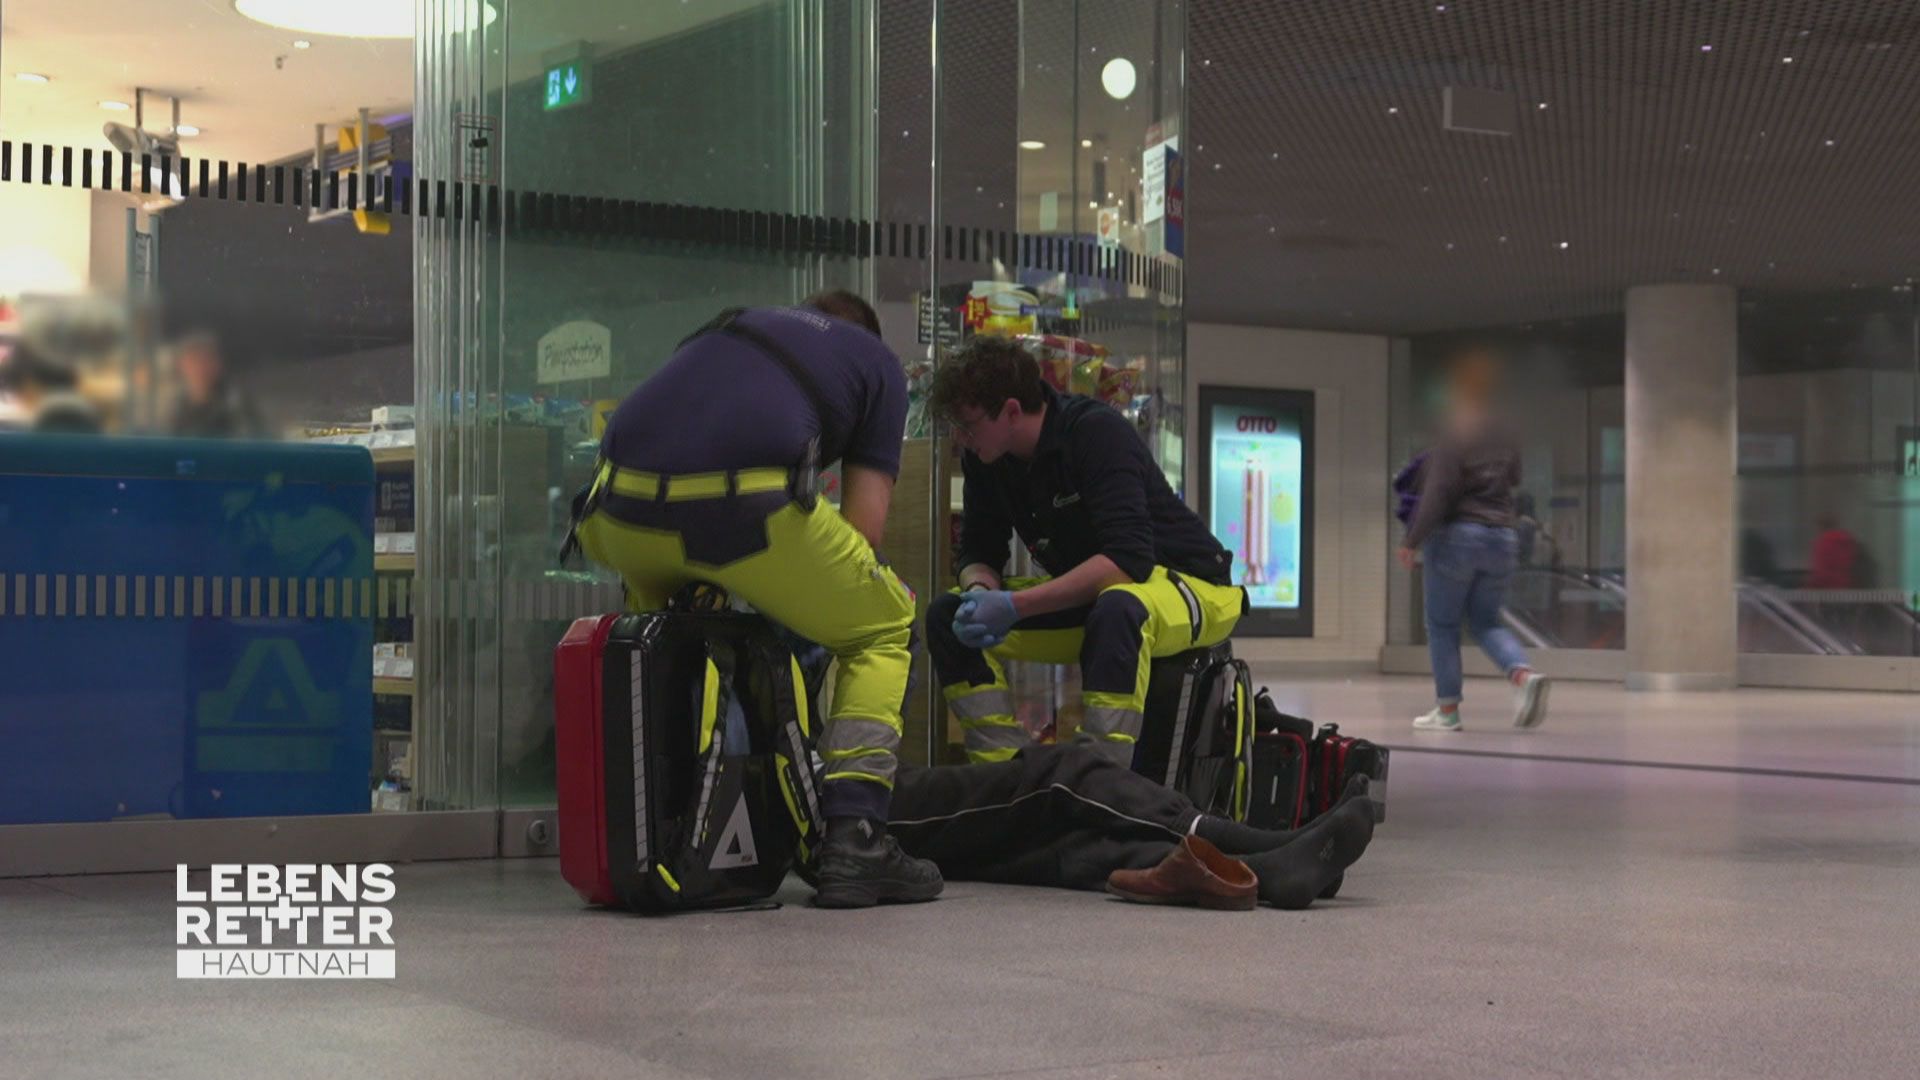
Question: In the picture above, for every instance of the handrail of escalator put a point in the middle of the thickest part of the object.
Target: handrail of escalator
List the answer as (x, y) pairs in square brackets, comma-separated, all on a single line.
[(1782, 615), (1527, 630)]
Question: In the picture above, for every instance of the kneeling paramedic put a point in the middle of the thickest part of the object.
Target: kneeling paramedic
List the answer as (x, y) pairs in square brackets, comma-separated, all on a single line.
[(707, 474), (1134, 574)]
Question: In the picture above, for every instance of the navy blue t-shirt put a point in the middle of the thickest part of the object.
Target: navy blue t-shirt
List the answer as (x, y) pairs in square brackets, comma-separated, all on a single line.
[(722, 403)]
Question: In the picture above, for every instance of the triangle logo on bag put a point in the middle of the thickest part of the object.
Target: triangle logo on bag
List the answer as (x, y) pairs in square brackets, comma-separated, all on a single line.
[(736, 849)]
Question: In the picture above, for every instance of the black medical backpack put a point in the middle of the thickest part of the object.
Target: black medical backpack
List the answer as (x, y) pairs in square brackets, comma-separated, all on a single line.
[(1197, 733)]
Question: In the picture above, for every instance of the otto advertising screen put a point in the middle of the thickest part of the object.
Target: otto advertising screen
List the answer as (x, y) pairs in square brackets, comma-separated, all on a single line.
[(1258, 464)]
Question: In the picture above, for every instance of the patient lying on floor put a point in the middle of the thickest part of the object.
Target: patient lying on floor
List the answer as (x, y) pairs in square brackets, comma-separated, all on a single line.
[(1067, 817)]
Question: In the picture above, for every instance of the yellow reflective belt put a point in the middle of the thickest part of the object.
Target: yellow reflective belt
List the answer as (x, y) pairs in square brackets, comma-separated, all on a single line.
[(712, 485), (666, 877)]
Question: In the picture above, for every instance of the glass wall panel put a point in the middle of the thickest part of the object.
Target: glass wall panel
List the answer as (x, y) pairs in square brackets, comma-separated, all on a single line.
[(166, 275), (1829, 439), (1060, 219), (1563, 388)]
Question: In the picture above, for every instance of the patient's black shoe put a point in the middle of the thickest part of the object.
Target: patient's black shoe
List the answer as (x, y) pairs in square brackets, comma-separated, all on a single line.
[(861, 865)]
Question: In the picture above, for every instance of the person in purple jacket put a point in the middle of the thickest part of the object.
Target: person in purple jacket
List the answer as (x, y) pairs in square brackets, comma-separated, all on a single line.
[(1463, 528)]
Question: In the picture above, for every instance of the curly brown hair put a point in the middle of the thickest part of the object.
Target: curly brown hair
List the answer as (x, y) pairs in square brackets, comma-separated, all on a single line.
[(984, 374)]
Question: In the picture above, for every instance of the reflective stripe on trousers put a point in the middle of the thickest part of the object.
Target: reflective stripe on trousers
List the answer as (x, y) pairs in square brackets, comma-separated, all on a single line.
[(987, 722), (1114, 640), (1111, 729), (859, 748)]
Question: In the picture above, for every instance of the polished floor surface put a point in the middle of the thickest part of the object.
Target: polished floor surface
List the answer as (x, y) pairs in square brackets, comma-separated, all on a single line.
[(1533, 907)]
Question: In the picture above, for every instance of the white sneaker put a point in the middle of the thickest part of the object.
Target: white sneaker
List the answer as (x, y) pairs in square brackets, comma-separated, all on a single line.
[(1438, 720), (1530, 700)]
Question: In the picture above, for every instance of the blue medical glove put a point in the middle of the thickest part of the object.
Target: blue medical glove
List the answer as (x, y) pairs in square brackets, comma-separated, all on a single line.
[(990, 610), (975, 636)]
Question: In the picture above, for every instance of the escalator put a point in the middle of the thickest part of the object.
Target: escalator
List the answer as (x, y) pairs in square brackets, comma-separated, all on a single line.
[(1576, 609)]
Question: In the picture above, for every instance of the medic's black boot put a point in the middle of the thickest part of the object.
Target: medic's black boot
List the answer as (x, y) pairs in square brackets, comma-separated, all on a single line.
[(861, 865)]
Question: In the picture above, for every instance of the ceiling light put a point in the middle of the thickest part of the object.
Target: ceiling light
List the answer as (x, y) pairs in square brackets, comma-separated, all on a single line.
[(1118, 78), (1563, 245), (1393, 110), (1032, 144), (359, 18), (28, 76), (1829, 142), (187, 130), (121, 106), (1091, 205), (1542, 105), (1706, 48), (1086, 144), (1786, 59), (302, 43)]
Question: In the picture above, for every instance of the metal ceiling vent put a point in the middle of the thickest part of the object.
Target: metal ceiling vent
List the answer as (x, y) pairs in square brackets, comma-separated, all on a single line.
[(1483, 112)]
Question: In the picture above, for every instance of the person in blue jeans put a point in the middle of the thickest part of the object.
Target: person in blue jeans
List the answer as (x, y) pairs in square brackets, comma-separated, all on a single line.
[(1463, 526)]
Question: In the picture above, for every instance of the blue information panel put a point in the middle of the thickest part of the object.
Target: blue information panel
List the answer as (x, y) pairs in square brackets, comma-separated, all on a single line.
[(185, 628), (1257, 475)]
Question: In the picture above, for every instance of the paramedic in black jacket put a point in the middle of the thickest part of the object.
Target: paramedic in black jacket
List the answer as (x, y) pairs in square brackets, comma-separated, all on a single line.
[(1132, 572)]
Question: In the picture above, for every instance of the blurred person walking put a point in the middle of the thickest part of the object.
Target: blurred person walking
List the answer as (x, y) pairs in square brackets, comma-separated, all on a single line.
[(210, 405), (1463, 527), (1836, 559), (45, 392)]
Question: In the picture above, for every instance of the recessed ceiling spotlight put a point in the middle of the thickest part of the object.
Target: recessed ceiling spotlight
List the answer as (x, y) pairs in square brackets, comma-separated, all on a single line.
[(1086, 144), (32, 77), (1440, 8), (1092, 205), (1449, 245), (1786, 59), (1563, 245), (1542, 105), (1716, 271), (1503, 239), (1032, 144), (1706, 48), (1829, 142), (115, 106), (1393, 110), (186, 129), (302, 43)]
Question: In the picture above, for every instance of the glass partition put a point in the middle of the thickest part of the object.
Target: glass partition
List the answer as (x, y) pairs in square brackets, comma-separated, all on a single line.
[(450, 241), (1828, 476), (1060, 219), (1563, 384), (173, 282)]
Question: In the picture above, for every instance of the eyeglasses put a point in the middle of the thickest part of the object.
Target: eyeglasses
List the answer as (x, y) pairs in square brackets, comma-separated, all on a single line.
[(966, 427)]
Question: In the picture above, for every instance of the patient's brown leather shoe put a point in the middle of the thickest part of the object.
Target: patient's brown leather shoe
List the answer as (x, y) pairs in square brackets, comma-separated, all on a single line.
[(1195, 874)]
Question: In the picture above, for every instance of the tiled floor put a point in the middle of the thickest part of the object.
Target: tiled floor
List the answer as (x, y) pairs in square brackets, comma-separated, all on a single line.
[(1517, 916)]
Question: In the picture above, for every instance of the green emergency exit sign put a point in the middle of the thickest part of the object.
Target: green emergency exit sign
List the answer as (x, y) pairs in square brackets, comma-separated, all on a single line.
[(567, 85)]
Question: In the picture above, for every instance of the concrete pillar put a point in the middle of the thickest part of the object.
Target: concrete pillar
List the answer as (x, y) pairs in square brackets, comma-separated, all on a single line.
[(1682, 498)]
